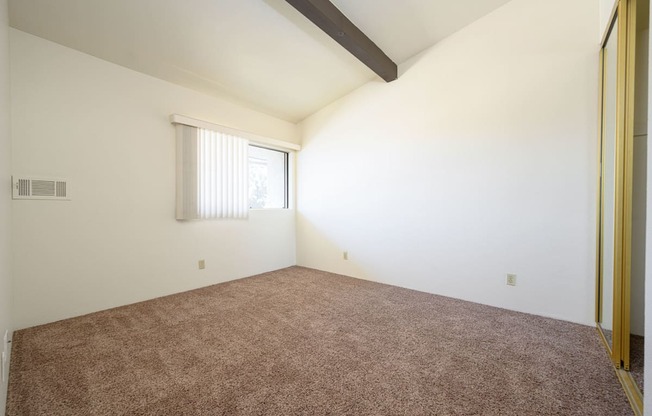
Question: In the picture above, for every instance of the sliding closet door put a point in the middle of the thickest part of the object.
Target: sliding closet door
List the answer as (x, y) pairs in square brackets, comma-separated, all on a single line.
[(617, 245), (615, 205), (639, 196), (627, 160)]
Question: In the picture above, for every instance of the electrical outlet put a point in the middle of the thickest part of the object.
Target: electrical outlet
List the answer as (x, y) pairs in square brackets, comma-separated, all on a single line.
[(345, 255), (511, 280), (202, 264)]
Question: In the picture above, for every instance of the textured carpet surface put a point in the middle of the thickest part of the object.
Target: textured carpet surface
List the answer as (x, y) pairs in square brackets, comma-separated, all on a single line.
[(637, 359), (300, 341)]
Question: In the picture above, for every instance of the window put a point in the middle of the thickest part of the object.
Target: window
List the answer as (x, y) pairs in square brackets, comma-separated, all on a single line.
[(268, 178), (223, 173)]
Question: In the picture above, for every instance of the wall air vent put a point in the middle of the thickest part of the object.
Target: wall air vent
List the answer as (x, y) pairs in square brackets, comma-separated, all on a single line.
[(40, 188)]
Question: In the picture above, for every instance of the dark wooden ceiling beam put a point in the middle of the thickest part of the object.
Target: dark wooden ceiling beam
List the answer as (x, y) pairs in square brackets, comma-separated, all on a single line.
[(328, 18)]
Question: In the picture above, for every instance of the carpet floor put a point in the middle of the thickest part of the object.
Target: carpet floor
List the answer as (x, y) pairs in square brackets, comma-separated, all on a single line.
[(637, 359), (303, 342)]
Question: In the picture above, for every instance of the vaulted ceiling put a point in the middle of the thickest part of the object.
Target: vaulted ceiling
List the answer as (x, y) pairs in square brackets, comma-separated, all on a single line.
[(261, 53)]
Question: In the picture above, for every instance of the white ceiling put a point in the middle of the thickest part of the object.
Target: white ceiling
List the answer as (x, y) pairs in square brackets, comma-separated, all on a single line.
[(261, 53)]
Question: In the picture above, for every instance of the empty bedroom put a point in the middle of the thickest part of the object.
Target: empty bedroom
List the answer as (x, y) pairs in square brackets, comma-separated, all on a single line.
[(314, 207)]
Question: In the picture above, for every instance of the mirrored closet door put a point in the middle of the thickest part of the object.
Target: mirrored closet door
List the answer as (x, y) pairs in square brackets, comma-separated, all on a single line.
[(622, 176), (609, 57)]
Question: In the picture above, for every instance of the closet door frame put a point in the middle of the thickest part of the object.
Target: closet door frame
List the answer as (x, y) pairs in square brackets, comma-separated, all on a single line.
[(625, 13)]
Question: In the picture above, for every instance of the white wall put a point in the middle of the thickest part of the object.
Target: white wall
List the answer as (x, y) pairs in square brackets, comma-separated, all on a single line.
[(606, 7), (6, 323), (480, 160), (106, 129)]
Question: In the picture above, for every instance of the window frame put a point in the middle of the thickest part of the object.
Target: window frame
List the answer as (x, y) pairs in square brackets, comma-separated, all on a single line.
[(286, 176)]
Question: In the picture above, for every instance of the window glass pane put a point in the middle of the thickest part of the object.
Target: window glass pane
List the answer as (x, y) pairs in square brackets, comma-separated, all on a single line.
[(267, 178)]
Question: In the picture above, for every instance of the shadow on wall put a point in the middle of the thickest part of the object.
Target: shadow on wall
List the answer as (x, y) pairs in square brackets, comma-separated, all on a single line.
[(325, 253)]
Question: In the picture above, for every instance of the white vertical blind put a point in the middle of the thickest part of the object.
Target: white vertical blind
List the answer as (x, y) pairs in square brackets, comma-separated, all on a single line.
[(223, 175), (213, 178)]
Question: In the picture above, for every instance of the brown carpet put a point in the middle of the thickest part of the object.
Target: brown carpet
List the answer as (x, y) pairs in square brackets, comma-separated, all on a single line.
[(303, 342), (637, 359)]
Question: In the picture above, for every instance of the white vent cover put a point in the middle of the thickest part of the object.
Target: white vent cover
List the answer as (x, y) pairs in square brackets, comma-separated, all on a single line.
[(39, 188)]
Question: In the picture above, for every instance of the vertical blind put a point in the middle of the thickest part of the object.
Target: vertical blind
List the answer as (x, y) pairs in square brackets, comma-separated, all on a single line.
[(212, 174)]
